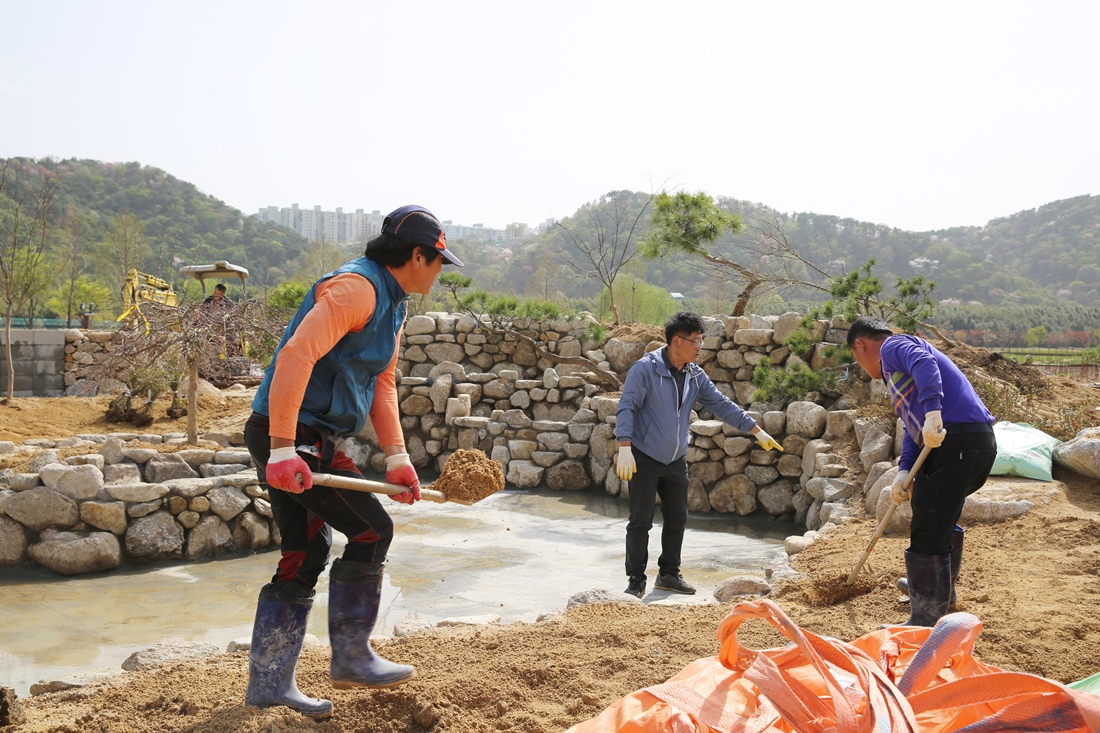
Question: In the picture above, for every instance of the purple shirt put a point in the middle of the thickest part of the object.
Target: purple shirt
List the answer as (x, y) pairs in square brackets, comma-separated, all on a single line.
[(920, 379)]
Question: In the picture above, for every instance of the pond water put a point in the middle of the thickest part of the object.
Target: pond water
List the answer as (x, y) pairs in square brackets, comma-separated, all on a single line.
[(515, 555)]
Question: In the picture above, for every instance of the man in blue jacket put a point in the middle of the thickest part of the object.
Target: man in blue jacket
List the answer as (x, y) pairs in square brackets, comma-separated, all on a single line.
[(940, 409), (652, 427)]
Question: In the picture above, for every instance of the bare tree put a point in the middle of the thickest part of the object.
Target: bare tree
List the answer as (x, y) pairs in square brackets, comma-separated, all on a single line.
[(167, 345), (28, 194), (127, 248), (603, 242), (72, 261)]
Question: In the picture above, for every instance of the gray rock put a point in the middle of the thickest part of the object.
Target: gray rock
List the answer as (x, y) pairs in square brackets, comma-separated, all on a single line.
[(155, 537), (734, 494), (122, 473), (136, 492), (797, 543), (524, 474), (251, 532), (569, 475), (43, 459), (42, 508), (144, 509), (166, 466), (13, 543), (209, 538), (168, 652), (88, 459), (601, 595), (621, 355), (24, 481), (210, 470), (806, 419), (192, 487), (877, 447), (233, 457), (1081, 454), (106, 515), (830, 489), (777, 498), (76, 553), (141, 455), (76, 482), (741, 585), (111, 450), (227, 501)]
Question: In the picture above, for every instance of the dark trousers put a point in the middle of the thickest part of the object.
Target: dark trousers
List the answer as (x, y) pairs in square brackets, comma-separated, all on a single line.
[(306, 520), (952, 472), (670, 482)]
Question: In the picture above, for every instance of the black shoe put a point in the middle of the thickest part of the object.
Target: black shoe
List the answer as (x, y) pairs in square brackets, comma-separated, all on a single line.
[(636, 587), (674, 583)]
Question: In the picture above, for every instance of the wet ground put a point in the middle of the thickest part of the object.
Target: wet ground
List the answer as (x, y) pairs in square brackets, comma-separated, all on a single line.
[(515, 555)]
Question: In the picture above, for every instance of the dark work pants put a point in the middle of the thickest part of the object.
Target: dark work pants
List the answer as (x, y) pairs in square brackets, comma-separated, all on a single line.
[(670, 482), (305, 519), (952, 472)]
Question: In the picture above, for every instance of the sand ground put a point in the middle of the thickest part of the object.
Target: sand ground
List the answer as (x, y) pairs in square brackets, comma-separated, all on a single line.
[(1032, 581)]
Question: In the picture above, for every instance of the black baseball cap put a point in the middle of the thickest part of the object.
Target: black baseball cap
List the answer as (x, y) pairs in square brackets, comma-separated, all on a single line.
[(417, 224)]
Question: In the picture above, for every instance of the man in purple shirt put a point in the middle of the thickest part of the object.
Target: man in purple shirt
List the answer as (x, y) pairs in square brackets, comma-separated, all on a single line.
[(940, 409)]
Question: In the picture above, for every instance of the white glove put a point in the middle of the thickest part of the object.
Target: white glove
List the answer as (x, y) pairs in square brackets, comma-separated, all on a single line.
[(899, 492), (766, 441), (624, 464), (933, 431)]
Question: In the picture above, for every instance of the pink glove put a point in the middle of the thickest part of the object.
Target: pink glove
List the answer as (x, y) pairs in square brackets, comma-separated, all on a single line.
[(287, 471), (399, 470)]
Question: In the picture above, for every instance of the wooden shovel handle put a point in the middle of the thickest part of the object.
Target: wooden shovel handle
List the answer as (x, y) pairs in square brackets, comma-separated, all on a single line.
[(373, 487), (888, 515)]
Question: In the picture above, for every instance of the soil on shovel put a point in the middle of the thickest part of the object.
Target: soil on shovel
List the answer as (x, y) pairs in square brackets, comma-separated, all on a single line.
[(469, 476)]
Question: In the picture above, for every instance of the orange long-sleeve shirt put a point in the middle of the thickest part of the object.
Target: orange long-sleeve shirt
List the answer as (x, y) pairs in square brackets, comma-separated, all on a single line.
[(343, 304)]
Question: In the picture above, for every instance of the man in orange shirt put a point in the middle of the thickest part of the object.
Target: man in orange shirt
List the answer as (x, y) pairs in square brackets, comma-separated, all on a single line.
[(334, 369)]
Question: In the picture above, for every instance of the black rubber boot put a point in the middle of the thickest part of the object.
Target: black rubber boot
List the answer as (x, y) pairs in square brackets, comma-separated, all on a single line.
[(957, 537), (929, 587), (277, 636), (355, 592)]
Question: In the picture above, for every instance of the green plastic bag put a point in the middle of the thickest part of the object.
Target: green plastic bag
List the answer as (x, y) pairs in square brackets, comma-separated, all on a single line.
[(1089, 684), (1023, 450)]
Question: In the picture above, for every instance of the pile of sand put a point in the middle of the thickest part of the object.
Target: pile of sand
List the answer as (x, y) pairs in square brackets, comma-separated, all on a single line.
[(469, 476)]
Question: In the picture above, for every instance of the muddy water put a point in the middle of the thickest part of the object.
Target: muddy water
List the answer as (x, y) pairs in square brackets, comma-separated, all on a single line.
[(514, 555)]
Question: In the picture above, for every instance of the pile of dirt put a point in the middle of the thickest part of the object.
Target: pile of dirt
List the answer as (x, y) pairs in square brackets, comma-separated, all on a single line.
[(637, 333), (469, 476), (1029, 380)]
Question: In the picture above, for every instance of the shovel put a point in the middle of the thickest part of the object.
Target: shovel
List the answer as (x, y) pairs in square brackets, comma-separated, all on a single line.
[(379, 487), (888, 515)]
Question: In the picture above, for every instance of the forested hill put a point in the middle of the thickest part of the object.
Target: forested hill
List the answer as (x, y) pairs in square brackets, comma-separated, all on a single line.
[(1044, 256), (1049, 256), (163, 222)]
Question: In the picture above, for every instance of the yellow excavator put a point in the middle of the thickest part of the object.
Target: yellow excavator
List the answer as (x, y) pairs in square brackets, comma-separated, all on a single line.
[(141, 287)]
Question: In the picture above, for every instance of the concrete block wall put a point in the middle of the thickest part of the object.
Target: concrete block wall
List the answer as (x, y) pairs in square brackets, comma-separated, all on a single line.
[(39, 359)]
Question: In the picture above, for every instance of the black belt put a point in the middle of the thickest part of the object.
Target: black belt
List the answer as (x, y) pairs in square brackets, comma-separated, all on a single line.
[(969, 427)]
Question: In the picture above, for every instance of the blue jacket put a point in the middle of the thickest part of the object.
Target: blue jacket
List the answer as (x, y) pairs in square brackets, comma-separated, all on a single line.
[(920, 379), (648, 415), (341, 387)]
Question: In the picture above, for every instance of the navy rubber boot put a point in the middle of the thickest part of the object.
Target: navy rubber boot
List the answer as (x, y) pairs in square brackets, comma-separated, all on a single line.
[(957, 537), (929, 587), (354, 595), (277, 636)]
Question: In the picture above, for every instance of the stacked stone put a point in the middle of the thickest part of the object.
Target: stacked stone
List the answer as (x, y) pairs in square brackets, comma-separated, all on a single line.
[(85, 354), (85, 513)]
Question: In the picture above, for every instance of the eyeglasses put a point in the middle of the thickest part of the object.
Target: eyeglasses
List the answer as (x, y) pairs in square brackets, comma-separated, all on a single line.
[(696, 343)]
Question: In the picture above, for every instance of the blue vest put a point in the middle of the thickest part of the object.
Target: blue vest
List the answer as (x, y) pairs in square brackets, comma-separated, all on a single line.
[(341, 386)]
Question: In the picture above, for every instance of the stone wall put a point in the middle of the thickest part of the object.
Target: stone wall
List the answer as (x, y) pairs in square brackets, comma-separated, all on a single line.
[(548, 424), (128, 499)]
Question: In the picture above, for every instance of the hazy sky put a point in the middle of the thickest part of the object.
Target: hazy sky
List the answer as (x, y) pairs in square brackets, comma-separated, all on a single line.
[(916, 115)]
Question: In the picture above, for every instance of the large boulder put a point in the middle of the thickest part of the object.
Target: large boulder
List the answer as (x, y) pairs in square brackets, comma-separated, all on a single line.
[(568, 475), (209, 538), (155, 537), (807, 419), (42, 508), (76, 553), (13, 543), (167, 466), (75, 482), (734, 495), (621, 355), (1082, 453)]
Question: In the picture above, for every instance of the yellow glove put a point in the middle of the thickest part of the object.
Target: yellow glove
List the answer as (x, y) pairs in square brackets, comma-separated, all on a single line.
[(625, 465), (766, 441)]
